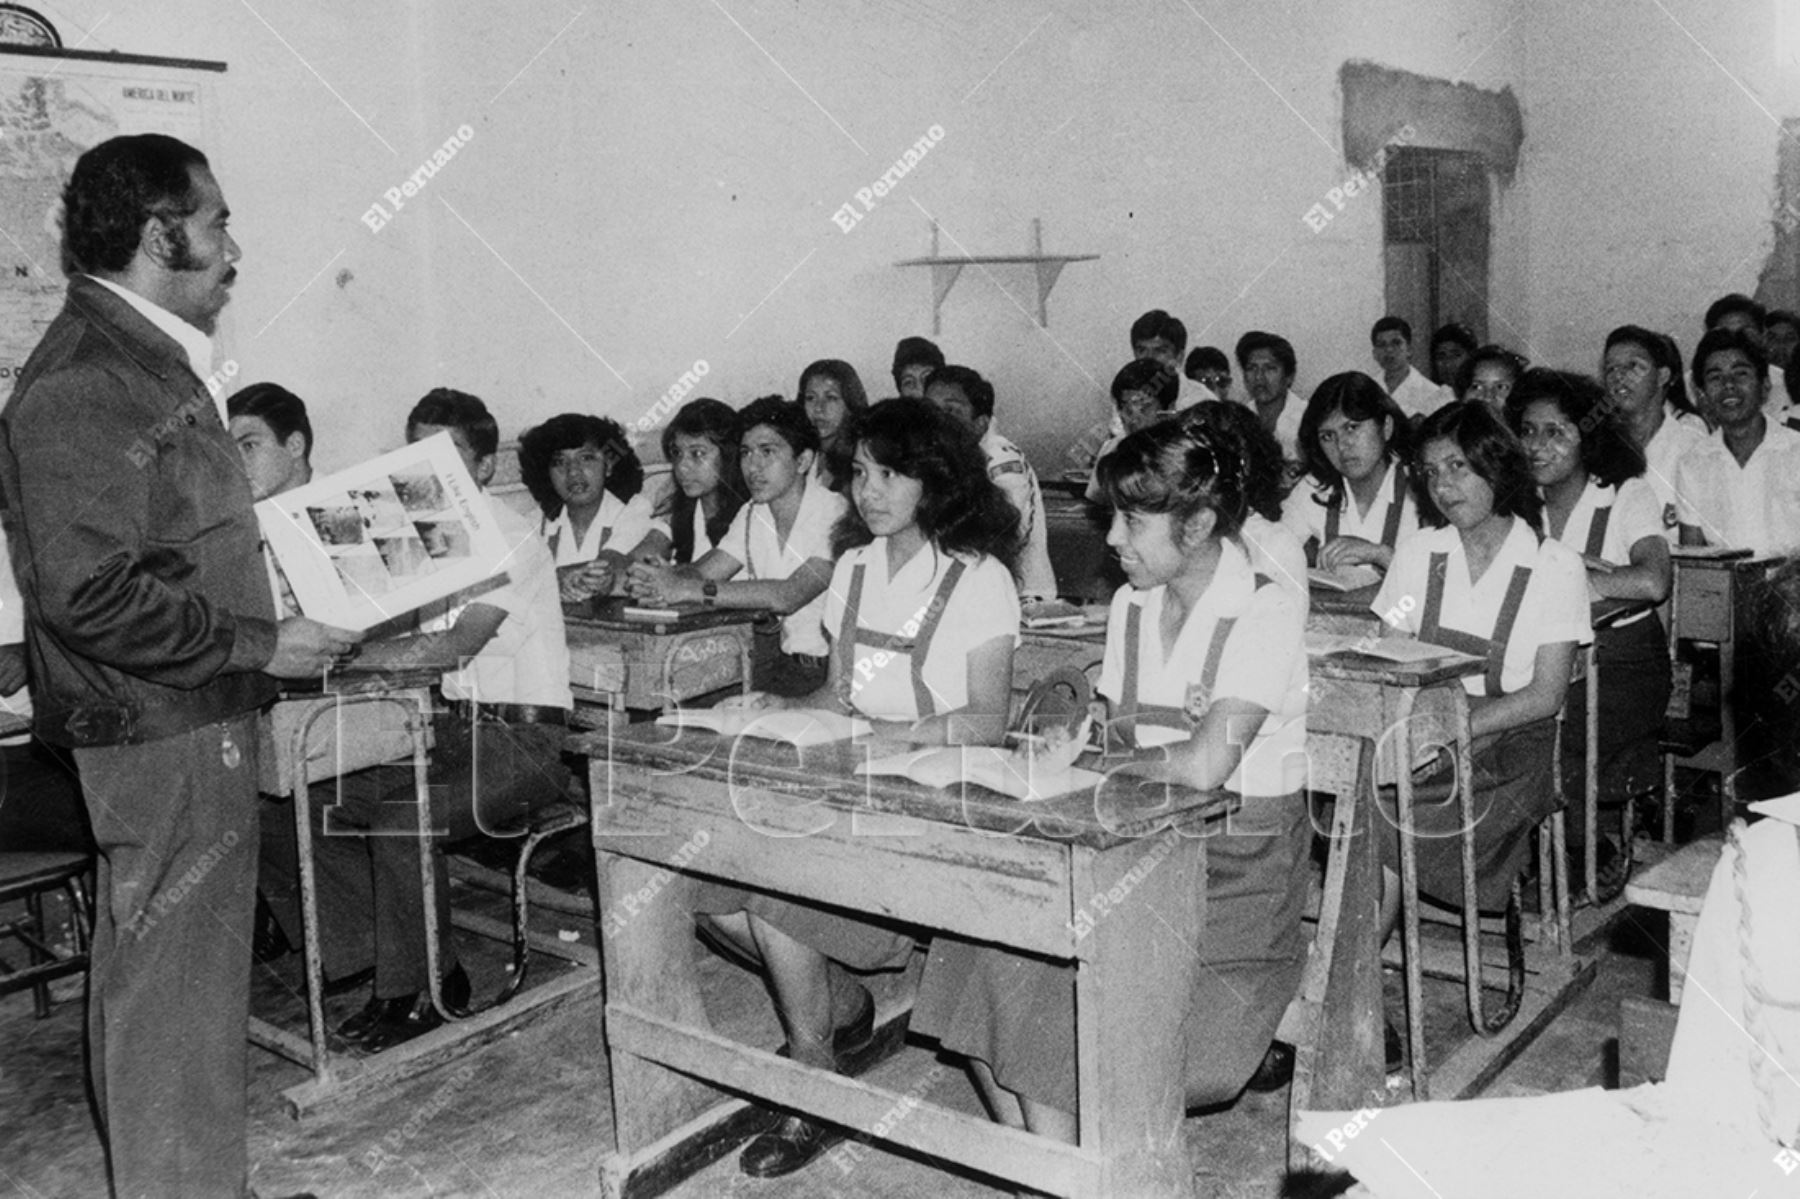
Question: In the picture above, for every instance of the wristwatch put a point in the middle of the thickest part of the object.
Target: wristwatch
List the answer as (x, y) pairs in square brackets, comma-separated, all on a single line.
[(709, 593)]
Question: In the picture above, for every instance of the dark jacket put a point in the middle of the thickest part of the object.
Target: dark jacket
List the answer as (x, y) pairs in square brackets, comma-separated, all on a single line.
[(133, 541)]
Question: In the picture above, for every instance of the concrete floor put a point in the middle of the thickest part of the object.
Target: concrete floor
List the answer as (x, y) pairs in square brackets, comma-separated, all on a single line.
[(530, 1114)]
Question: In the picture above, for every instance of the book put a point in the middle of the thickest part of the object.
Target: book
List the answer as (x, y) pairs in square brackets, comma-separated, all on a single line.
[(1046, 614), (386, 537), (1391, 649), (1348, 578), (799, 727), (986, 766), (669, 612)]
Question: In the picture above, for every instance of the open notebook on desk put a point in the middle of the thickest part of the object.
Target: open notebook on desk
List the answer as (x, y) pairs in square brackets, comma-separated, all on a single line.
[(986, 766), (799, 727)]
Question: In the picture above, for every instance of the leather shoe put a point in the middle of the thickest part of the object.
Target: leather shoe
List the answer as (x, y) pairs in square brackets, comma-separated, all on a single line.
[(788, 1146), (386, 1022), (268, 943), (1276, 1071)]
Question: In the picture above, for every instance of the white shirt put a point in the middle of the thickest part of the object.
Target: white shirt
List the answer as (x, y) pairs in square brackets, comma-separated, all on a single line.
[(1634, 516), (1305, 512), (193, 342), (1755, 506), (754, 545), (1287, 425), (1010, 472), (527, 659), (618, 526), (1275, 551), (1678, 433), (985, 605), (12, 632), (1264, 663), (1554, 608), (1419, 396), (702, 543)]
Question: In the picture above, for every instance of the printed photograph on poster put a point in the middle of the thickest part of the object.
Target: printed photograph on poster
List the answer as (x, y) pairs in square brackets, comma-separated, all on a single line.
[(381, 539)]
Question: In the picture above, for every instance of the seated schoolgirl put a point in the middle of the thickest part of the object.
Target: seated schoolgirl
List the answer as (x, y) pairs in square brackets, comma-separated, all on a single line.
[(589, 483), (1205, 678), (1489, 375), (701, 447), (1274, 550), (776, 555), (924, 615), (1359, 505), (1482, 578), (1597, 502), (832, 394)]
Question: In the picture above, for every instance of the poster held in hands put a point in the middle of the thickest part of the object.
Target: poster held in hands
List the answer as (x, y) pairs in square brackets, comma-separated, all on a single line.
[(385, 537)]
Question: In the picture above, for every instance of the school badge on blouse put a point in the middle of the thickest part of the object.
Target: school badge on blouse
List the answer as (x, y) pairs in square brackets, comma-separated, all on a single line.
[(1196, 702), (1670, 517)]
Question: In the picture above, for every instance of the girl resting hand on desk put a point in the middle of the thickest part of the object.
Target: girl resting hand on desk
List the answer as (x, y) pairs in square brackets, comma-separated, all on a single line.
[(1206, 678), (1482, 579), (780, 545), (925, 615), (1354, 438), (589, 483), (922, 608), (1597, 502)]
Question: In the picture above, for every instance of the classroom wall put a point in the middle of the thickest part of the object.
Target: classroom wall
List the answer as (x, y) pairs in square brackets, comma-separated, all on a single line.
[(649, 186)]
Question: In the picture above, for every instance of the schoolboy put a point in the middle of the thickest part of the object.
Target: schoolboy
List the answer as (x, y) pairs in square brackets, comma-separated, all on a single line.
[(1390, 341), (1740, 486), (964, 394), (1143, 392), (914, 360), (1268, 363)]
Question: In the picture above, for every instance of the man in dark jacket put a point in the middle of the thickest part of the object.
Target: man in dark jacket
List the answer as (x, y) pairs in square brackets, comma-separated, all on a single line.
[(152, 638)]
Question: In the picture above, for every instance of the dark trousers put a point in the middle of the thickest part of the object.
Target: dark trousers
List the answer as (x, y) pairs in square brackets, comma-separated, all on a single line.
[(485, 777), (169, 984)]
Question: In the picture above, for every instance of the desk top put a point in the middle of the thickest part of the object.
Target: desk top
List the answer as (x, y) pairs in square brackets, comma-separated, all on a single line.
[(608, 613), (1121, 809), (1329, 602)]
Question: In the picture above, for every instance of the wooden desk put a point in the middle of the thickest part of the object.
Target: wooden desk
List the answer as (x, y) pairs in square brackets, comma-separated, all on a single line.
[(618, 664), (667, 812), (1342, 611), (1677, 885)]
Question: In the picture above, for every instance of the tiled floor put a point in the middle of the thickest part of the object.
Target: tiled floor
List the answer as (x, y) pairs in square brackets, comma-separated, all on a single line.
[(530, 1116)]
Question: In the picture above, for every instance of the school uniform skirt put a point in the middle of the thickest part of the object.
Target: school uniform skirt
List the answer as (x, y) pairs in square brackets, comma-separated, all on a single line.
[(844, 939), (1016, 1013), (1634, 691), (1513, 794)]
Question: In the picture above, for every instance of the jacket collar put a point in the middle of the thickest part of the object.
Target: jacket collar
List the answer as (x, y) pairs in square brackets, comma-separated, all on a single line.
[(127, 328)]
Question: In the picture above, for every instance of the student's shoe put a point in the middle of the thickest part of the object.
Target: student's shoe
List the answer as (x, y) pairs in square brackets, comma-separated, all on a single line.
[(268, 943), (1276, 1071), (384, 1023), (788, 1146)]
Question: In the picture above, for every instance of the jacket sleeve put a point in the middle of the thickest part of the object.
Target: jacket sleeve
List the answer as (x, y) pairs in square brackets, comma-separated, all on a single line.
[(108, 585)]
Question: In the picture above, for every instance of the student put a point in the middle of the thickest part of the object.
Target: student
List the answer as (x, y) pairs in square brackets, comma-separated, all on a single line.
[(924, 620), (270, 425), (1781, 337), (1451, 346), (965, 395), (1390, 340), (1482, 578), (1740, 486), (1643, 373), (1274, 551), (781, 543), (1360, 506), (701, 446), (833, 398), (1597, 503), (914, 360), (1741, 314), (1143, 392), (589, 483), (1159, 336), (1211, 369), (1268, 363), (496, 756), (1206, 681), (1489, 376)]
